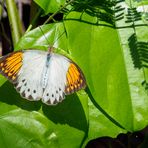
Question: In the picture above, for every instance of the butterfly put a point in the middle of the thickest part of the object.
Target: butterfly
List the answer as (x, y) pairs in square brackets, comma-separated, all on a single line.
[(42, 75)]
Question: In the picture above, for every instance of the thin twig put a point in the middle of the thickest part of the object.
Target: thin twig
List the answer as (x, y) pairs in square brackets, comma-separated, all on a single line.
[(51, 17)]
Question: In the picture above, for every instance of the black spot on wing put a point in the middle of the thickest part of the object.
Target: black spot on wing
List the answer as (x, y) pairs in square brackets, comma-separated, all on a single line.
[(55, 102), (30, 98), (48, 102), (18, 89), (34, 91), (15, 84), (23, 80), (23, 94), (60, 98)]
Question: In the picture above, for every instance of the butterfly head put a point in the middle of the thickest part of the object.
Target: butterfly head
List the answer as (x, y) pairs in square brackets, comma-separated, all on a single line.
[(51, 49)]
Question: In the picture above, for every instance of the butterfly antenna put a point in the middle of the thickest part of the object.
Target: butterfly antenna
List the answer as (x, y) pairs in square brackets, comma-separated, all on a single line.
[(64, 32), (51, 48), (44, 35)]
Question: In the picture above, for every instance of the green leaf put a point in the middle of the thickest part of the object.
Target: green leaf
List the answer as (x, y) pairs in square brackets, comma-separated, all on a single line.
[(133, 38), (32, 129), (43, 37), (2, 80), (50, 6)]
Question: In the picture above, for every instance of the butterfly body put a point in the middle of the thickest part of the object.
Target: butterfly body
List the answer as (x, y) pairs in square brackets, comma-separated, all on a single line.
[(42, 75)]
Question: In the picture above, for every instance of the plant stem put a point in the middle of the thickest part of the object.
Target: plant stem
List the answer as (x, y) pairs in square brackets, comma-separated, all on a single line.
[(14, 21)]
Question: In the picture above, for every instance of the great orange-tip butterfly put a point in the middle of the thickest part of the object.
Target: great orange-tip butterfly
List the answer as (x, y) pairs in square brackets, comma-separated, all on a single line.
[(42, 75)]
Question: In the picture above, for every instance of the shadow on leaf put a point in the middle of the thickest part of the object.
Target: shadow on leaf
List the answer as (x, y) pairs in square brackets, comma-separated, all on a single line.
[(139, 54), (133, 15), (70, 112), (101, 10), (9, 95)]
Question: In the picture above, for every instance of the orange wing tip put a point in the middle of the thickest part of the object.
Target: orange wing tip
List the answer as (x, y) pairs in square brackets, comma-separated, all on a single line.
[(10, 65), (75, 79)]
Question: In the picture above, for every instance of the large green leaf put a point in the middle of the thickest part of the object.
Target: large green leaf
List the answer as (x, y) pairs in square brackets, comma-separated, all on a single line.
[(133, 38), (43, 37), (32, 129)]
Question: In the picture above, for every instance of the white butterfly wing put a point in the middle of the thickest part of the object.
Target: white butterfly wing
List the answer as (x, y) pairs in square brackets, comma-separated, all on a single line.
[(29, 77), (62, 77), (42, 75), (56, 80)]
